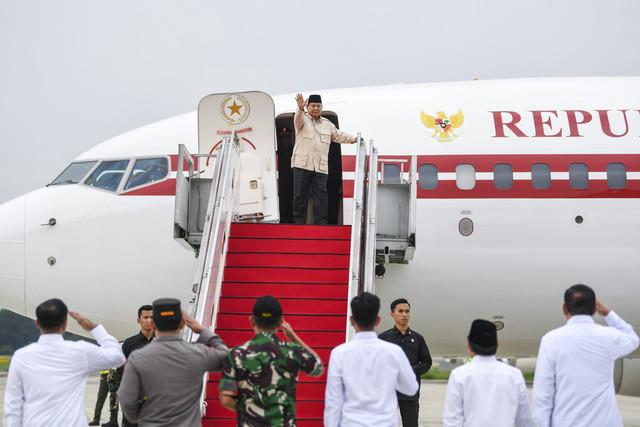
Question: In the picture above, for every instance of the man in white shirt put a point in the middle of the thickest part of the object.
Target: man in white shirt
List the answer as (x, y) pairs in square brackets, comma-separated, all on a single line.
[(365, 373), (47, 379), (485, 392), (573, 382)]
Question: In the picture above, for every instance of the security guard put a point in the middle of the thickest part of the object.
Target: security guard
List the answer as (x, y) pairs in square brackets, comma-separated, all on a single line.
[(417, 352)]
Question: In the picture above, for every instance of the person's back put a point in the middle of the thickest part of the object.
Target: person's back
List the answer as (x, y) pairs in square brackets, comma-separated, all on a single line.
[(171, 372), (259, 378), (47, 379), (485, 392), (67, 369), (365, 373), (573, 382), (584, 354), (373, 368), (162, 382), (485, 384)]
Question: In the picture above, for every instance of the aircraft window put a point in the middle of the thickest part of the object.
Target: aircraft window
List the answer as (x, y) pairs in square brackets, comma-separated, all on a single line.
[(146, 171), (540, 176), (428, 177), (108, 175), (616, 176), (465, 177), (503, 176), (74, 173), (578, 176), (390, 174)]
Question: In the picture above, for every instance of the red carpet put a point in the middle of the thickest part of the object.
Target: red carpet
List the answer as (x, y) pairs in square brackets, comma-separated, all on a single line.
[(307, 268)]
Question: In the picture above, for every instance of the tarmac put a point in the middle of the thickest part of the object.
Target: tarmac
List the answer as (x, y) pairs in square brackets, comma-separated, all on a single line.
[(432, 397)]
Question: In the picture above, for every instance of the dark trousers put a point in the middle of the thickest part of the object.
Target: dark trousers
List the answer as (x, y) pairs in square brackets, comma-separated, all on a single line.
[(303, 181), (409, 410), (103, 390)]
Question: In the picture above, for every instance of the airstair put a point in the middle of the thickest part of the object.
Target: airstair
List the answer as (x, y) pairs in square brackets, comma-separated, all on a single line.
[(227, 212)]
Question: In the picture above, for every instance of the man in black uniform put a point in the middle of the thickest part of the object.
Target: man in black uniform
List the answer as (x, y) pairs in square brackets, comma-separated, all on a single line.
[(417, 352), (142, 338)]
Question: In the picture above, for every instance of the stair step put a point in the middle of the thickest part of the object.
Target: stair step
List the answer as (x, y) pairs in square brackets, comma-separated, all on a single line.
[(303, 409), (272, 245), (234, 337), (258, 259), (280, 274), (336, 323), (283, 231), (283, 290), (307, 269), (290, 306)]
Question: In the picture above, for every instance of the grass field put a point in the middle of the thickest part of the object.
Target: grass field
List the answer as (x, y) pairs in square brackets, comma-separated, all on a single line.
[(4, 363)]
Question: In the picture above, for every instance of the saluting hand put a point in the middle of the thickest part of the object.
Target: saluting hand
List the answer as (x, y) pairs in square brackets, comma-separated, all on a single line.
[(289, 332), (85, 323), (192, 323), (301, 101), (601, 309)]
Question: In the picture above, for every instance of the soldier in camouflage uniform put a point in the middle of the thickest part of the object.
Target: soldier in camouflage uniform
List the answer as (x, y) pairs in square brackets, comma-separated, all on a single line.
[(114, 382), (259, 377)]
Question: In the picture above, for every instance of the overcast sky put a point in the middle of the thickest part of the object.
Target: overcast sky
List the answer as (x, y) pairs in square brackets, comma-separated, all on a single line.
[(77, 72)]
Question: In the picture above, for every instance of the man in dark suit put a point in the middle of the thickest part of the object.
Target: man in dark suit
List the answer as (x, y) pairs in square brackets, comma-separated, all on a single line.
[(417, 352)]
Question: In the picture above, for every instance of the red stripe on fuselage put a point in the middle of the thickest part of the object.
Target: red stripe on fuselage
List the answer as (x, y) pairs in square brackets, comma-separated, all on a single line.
[(485, 189), (522, 189)]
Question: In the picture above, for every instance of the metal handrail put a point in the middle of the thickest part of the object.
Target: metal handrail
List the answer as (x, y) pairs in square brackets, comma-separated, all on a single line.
[(203, 303), (369, 254), (363, 225)]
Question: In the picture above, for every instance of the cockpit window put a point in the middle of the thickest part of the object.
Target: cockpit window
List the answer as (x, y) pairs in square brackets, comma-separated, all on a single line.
[(74, 173), (108, 175), (146, 171)]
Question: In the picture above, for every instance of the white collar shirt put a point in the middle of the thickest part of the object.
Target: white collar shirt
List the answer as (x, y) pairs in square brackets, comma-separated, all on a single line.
[(573, 382), (47, 379), (364, 375), (486, 392)]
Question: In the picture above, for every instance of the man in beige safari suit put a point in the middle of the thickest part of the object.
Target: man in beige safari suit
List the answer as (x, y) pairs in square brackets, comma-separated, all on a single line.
[(310, 158)]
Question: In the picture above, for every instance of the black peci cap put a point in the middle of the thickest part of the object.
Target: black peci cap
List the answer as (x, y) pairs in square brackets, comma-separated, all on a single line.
[(314, 99), (267, 307), (167, 308), (483, 333)]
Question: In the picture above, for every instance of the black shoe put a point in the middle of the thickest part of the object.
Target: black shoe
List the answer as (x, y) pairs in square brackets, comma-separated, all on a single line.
[(95, 422), (110, 424)]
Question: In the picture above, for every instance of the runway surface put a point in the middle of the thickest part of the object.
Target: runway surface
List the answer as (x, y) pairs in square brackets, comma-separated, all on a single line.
[(431, 403)]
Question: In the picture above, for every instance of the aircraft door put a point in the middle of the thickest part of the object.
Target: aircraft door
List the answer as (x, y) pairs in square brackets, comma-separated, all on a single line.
[(251, 115), (285, 132)]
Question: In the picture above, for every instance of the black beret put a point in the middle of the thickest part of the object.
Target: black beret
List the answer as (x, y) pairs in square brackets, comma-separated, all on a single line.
[(483, 333)]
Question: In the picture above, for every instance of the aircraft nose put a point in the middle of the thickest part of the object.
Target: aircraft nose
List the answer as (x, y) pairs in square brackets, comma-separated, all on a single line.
[(12, 286)]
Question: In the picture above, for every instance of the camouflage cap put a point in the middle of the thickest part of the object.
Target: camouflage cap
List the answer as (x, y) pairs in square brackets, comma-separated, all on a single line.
[(268, 307)]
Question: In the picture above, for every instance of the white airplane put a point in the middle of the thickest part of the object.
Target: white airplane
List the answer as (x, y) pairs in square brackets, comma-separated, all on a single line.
[(525, 188)]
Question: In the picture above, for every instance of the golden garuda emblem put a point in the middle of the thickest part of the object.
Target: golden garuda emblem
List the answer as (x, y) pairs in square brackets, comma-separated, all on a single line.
[(443, 126)]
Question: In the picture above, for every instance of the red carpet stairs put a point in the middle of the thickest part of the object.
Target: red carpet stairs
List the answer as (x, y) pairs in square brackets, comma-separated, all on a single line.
[(307, 268)]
